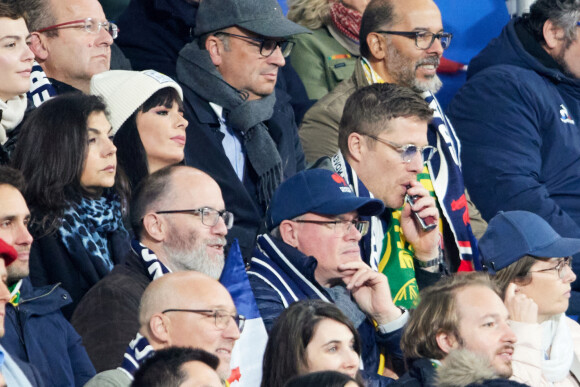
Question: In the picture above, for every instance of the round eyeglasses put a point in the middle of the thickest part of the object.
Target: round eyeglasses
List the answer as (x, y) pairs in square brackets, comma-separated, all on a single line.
[(408, 151), (341, 227), (221, 317), (89, 25), (267, 45), (423, 39), (209, 216), (559, 268)]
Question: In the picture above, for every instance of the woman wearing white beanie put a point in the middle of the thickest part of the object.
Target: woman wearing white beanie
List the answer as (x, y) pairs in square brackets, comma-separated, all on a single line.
[(146, 113)]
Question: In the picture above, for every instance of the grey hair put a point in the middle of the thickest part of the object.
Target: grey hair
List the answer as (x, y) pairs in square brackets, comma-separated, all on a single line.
[(563, 13), (275, 232), (39, 15)]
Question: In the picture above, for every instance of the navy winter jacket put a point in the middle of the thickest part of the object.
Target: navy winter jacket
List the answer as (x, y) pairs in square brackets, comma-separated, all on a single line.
[(37, 333), (519, 126)]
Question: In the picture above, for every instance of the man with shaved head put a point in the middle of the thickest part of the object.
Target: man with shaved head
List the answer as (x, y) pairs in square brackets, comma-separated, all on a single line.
[(185, 309), (180, 223)]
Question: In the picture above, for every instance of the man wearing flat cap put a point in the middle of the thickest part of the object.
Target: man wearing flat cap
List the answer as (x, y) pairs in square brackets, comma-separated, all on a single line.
[(312, 252), (239, 132)]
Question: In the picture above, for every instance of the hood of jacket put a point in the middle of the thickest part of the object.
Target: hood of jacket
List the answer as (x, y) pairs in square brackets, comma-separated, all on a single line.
[(507, 49), (462, 368)]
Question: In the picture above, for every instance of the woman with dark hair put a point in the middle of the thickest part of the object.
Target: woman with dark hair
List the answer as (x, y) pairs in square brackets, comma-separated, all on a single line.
[(15, 66), (310, 336), (66, 154), (146, 112), (533, 268), (323, 379)]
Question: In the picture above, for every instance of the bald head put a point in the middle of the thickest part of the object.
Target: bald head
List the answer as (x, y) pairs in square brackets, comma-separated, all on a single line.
[(178, 294), (162, 188), (170, 290)]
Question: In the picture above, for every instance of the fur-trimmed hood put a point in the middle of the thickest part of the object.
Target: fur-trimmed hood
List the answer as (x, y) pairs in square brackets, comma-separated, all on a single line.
[(463, 368)]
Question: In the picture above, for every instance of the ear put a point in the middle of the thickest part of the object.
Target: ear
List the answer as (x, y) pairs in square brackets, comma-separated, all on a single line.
[(159, 327), (155, 226), (356, 146), (289, 233), (553, 35), (38, 46), (377, 45), (446, 341), (215, 47)]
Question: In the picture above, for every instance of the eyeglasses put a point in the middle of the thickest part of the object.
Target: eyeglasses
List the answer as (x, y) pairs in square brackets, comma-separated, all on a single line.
[(221, 317), (423, 39), (89, 25), (267, 45), (209, 216), (562, 263), (408, 151), (341, 227)]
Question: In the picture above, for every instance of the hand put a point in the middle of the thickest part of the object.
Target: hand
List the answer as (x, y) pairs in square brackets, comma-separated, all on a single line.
[(370, 290), (426, 244), (520, 307)]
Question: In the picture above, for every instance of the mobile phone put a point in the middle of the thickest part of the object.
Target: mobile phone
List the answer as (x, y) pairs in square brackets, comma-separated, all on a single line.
[(428, 225)]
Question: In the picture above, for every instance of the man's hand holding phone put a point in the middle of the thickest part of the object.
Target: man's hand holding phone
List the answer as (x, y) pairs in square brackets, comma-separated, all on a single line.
[(425, 239)]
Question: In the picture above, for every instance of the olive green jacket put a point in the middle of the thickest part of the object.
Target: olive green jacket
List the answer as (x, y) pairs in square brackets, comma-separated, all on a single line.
[(321, 62)]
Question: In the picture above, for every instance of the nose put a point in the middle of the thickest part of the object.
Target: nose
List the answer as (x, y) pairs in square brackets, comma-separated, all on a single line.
[(23, 237), (436, 48), (220, 227), (350, 360), (353, 233), (508, 335), (416, 163), (4, 293), (104, 37), (277, 58), (27, 54), (181, 121), (569, 275), (231, 331), (109, 148)]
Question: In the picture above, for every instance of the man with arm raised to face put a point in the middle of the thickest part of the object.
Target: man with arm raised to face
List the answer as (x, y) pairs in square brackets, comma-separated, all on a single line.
[(401, 43)]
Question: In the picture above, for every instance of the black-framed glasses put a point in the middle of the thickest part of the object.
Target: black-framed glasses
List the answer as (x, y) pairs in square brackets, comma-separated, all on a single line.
[(267, 45), (341, 227), (408, 151), (423, 39), (221, 317), (209, 216), (89, 25), (559, 268)]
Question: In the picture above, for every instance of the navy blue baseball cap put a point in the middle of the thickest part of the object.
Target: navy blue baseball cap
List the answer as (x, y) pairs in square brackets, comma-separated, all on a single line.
[(511, 235), (319, 191)]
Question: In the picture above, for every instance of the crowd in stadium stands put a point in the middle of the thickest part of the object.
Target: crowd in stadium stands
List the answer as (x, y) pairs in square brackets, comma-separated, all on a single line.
[(211, 193)]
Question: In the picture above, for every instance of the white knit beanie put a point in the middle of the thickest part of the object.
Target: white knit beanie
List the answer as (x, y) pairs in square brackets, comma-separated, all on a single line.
[(125, 91)]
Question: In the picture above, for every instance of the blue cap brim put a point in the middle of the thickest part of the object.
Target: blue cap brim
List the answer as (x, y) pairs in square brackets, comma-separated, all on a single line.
[(364, 206)]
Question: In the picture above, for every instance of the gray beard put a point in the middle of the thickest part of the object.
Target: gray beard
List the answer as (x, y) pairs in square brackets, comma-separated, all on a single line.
[(403, 71), (182, 258)]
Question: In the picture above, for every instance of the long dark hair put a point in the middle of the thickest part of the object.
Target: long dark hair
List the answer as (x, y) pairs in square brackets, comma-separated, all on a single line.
[(131, 154), (51, 153), (285, 355)]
